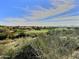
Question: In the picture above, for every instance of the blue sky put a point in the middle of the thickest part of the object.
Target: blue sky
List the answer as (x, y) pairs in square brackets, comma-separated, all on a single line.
[(39, 12)]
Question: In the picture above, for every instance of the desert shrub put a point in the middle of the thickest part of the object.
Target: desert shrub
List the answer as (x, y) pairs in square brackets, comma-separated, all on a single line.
[(3, 36), (58, 44), (28, 52), (55, 45), (22, 50), (36, 28), (22, 34), (31, 35), (2, 47), (19, 34)]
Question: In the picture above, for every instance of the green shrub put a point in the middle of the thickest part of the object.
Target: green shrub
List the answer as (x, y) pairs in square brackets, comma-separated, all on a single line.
[(58, 44), (3, 36)]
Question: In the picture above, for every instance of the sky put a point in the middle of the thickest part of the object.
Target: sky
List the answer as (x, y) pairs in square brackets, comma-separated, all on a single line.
[(39, 12)]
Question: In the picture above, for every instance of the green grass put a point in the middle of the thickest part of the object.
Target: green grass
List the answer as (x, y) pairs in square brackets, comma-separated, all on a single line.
[(37, 31)]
